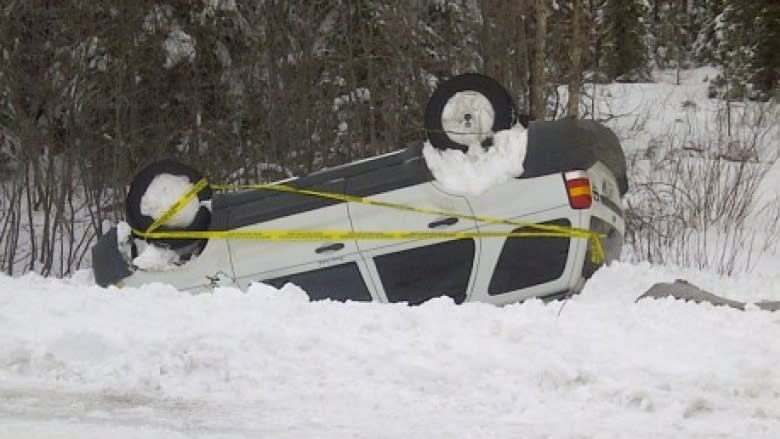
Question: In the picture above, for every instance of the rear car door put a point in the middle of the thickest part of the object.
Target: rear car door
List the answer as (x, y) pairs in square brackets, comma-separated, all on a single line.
[(516, 268), (324, 269)]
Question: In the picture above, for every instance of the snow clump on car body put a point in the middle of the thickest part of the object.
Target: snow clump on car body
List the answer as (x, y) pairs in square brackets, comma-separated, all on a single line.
[(479, 168)]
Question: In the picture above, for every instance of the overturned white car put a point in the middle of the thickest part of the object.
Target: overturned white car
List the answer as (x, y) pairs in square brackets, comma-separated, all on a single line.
[(399, 227)]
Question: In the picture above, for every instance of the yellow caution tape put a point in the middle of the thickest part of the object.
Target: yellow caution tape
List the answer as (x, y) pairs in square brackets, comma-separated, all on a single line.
[(333, 235), (178, 205), (541, 230), (580, 233)]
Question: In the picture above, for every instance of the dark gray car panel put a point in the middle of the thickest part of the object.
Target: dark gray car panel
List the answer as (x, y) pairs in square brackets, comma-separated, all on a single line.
[(395, 171), (568, 144), (108, 264)]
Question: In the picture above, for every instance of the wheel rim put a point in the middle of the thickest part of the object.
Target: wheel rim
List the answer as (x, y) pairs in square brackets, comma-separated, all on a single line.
[(468, 117)]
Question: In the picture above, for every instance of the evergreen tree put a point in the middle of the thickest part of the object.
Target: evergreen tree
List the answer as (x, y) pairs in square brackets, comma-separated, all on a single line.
[(766, 62), (748, 43), (625, 41), (669, 39), (706, 31)]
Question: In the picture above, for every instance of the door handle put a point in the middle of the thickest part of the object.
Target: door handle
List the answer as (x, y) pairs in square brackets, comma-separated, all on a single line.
[(327, 248), (445, 222)]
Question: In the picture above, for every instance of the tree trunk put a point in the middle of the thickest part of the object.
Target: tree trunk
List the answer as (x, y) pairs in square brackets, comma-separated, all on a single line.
[(537, 75), (575, 58), (523, 63)]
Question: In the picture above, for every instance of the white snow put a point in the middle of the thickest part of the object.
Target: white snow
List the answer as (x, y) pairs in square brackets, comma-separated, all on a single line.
[(77, 361), (359, 95), (163, 192), (478, 169), (123, 232), (154, 258), (124, 236), (179, 46), (220, 5)]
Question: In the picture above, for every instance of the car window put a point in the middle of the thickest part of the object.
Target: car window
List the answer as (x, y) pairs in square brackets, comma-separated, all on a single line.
[(340, 282), (419, 274), (525, 262)]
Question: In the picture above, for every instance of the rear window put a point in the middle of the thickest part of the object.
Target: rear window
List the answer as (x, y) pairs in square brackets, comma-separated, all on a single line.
[(525, 262)]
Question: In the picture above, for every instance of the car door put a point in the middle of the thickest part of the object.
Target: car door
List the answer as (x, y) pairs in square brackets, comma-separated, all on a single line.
[(324, 269), (415, 270), (516, 268)]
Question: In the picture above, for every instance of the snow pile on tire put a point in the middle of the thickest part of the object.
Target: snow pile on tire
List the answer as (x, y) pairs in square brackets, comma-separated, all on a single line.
[(162, 193), (479, 168)]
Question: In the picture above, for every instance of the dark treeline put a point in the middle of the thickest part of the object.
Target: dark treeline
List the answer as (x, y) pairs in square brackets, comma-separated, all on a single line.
[(91, 90)]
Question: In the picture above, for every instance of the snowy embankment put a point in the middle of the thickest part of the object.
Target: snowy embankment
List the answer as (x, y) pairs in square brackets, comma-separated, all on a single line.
[(80, 361), (704, 174)]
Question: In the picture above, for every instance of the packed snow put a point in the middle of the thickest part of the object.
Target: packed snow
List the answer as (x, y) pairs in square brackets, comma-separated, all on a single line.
[(479, 168), (155, 258), (77, 361), (150, 257)]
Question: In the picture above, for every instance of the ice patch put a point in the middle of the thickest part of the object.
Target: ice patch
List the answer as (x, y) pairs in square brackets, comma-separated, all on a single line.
[(473, 172), (162, 193)]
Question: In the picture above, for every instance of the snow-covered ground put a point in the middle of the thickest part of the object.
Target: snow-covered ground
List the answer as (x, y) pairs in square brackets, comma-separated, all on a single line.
[(78, 361), (684, 171)]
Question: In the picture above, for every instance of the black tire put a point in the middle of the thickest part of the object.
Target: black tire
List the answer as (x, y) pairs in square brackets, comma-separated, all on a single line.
[(504, 108), (138, 187)]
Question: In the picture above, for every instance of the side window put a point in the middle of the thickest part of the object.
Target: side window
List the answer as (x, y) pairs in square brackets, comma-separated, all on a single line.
[(525, 262), (420, 274), (341, 282)]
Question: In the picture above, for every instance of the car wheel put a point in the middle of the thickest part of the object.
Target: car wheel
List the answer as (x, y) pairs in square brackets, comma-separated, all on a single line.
[(466, 110), (155, 188)]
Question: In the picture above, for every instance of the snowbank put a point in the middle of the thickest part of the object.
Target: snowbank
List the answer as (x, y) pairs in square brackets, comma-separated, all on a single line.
[(80, 361)]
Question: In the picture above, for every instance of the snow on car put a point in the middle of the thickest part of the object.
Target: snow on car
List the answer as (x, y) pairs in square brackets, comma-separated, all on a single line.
[(486, 210)]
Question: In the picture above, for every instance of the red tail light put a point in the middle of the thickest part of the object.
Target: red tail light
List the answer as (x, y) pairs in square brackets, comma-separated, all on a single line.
[(578, 188)]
